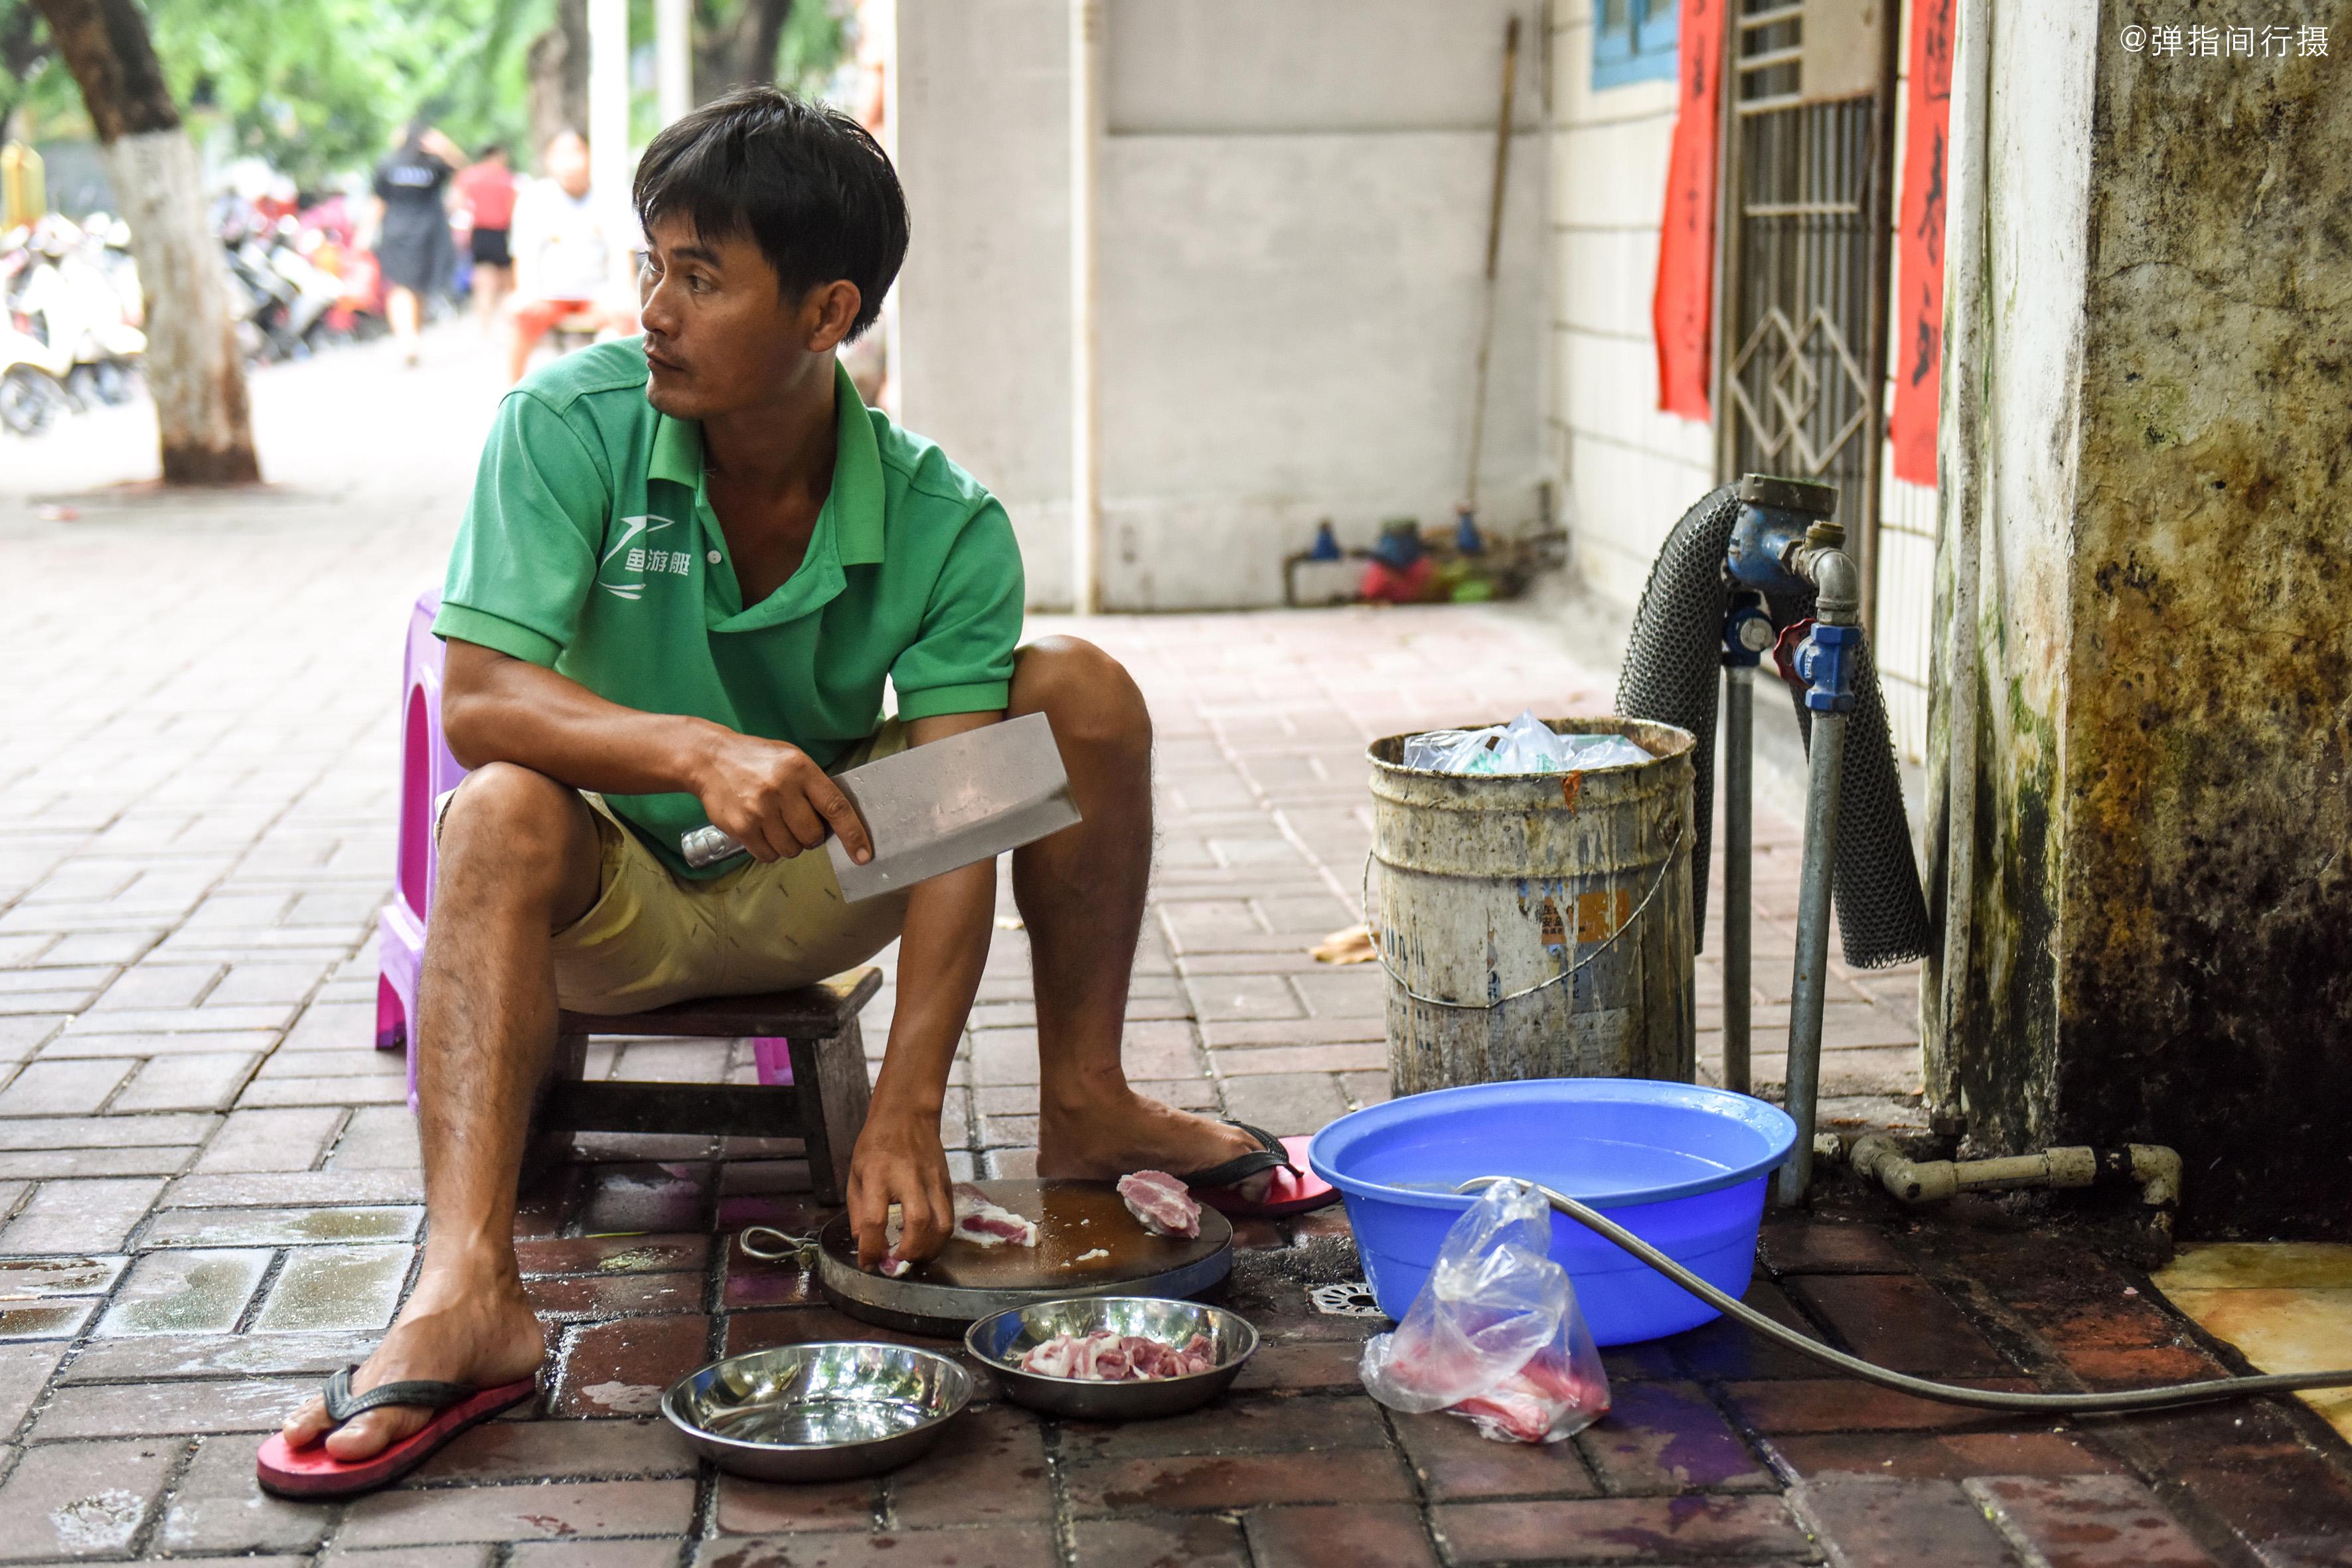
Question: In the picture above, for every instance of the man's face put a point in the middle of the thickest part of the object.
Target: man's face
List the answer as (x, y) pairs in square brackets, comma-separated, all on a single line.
[(720, 333), (567, 163)]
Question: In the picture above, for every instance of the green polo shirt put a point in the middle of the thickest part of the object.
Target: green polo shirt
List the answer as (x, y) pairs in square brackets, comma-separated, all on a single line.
[(590, 548)]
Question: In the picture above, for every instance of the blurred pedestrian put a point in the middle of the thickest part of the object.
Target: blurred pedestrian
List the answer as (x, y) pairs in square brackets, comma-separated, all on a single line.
[(412, 226), (486, 190), (569, 256)]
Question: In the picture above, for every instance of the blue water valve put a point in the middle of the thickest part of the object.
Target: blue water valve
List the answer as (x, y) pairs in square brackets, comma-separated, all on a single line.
[(1825, 662), (1747, 635)]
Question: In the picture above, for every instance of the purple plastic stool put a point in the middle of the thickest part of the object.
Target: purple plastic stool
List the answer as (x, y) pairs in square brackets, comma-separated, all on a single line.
[(427, 771)]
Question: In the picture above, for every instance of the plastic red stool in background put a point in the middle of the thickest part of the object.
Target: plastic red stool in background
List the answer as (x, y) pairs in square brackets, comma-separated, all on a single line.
[(427, 771)]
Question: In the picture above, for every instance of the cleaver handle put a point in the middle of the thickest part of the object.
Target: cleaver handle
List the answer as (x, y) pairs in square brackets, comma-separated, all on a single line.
[(708, 845)]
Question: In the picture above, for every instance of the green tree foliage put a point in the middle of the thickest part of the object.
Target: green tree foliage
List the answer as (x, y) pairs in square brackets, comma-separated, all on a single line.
[(318, 88)]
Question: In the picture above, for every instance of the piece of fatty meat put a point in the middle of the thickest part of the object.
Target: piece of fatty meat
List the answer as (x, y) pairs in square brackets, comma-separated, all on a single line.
[(983, 1223), (1109, 1357), (977, 1220), (1543, 1402), (1162, 1202)]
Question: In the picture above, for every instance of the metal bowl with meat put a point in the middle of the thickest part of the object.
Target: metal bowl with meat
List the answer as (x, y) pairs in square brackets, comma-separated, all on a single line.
[(1114, 1358)]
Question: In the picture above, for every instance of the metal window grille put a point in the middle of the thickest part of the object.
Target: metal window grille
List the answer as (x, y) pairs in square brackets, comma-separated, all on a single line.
[(1800, 327)]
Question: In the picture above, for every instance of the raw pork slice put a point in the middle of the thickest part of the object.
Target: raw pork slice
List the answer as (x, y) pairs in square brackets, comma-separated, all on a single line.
[(1162, 1202), (1543, 1402), (983, 1223), (977, 1220), (1109, 1357)]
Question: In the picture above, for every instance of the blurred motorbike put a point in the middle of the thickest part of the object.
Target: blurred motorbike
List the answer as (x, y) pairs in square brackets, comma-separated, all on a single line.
[(32, 381), (317, 291), (66, 297)]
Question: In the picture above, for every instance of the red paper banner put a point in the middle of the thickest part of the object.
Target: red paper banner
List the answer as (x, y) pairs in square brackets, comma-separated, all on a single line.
[(1918, 324), (1683, 308)]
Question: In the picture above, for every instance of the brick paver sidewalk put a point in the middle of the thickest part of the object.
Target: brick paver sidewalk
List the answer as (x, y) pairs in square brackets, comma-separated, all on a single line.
[(209, 1196)]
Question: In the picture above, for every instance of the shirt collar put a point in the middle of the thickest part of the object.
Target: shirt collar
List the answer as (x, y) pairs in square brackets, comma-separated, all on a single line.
[(856, 499), (855, 502)]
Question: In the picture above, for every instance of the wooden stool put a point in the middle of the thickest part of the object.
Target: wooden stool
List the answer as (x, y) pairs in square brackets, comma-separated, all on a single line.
[(823, 1106)]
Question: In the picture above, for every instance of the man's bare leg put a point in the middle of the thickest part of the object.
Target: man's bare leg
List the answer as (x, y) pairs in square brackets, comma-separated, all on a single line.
[(489, 293), (1081, 896), (518, 861), (519, 347)]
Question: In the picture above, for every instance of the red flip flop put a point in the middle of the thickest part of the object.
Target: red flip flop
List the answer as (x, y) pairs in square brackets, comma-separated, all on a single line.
[(312, 1472), (1294, 1189)]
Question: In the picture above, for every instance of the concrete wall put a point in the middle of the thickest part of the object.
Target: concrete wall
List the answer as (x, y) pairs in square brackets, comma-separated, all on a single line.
[(981, 351), (1631, 470), (2158, 944), (1993, 1061), (1293, 228)]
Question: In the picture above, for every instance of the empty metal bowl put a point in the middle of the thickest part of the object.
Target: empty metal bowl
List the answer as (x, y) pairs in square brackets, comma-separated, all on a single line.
[(821, 1412), (1000, 1342)]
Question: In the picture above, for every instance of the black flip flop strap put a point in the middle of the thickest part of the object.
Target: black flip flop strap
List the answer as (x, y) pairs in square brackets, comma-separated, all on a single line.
[(343, 1403), (1269, 1156)]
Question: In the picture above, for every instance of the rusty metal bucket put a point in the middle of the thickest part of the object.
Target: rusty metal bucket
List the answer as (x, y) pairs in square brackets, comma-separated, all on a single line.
[(1536, 925)]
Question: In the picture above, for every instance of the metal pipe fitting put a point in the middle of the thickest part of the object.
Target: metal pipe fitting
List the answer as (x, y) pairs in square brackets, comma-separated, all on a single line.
[(1837, 583)]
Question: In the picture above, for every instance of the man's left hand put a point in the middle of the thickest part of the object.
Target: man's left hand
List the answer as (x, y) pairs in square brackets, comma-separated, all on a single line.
[(898, 1160)]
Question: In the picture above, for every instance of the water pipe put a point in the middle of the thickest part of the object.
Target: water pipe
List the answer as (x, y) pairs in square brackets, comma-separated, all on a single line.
[(2163, 1397), (1825, 660), (1747, 634), (1750, 563), (2152, 1168)]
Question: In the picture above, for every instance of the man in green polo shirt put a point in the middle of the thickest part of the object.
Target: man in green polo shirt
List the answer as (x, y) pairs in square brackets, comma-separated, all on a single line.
[(691, 564)]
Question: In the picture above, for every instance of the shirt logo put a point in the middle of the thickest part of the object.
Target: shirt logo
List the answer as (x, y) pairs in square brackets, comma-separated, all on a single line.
[(634, 556)]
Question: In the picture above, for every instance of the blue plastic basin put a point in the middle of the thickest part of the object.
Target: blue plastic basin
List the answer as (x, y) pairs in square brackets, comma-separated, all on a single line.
[(1685, 1168)]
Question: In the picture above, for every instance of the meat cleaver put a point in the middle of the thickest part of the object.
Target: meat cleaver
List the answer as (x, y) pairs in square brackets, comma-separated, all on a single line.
[(933, 808)]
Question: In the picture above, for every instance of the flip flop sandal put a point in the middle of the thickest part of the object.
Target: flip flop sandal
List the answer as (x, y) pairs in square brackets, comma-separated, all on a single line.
[(1294, 1190), (312, 1472)]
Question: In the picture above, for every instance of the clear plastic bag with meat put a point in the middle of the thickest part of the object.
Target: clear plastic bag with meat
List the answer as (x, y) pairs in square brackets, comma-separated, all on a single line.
[(1495, 1336)]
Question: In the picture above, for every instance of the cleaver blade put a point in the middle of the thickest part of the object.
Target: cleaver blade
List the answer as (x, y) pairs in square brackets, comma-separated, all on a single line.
[(933, 808)]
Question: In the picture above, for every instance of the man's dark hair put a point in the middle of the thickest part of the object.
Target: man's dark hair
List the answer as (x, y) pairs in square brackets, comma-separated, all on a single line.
[(806, 182), (491, 150)]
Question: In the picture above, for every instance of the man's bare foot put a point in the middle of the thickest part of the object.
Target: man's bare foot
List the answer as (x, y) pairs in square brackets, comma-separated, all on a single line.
[(1106, 1138), (454, 1330)]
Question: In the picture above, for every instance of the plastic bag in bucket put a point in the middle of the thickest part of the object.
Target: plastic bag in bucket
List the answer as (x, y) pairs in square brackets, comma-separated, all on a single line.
[(1495, 1336)]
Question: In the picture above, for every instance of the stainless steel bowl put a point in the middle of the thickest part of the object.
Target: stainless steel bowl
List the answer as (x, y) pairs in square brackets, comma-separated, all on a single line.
[(820, 1412), (1000, 1342)]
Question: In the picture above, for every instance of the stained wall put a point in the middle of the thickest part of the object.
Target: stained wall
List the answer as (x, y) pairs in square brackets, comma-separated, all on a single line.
[(2161, 914)]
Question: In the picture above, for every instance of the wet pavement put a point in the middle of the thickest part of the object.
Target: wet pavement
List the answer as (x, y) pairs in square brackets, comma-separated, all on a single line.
[(209, 1196)]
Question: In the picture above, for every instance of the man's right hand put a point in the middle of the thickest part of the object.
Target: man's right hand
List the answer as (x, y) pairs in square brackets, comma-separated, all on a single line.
[(898, 1164), (776, 801)]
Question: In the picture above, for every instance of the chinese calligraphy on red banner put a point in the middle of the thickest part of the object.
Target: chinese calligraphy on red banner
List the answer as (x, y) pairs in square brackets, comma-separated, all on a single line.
[(1681, 308), (1918, 324)]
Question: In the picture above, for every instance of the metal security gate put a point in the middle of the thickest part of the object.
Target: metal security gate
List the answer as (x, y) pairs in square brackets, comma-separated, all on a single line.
[(1803, 236)]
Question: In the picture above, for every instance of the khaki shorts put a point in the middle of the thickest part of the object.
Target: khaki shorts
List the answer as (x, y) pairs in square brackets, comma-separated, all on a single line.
[(653, 938)]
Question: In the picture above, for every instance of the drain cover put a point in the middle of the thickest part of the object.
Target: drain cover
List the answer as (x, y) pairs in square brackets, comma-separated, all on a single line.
[(1352, 1299)]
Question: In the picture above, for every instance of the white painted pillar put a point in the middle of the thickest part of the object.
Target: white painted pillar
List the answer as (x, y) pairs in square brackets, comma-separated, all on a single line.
[(674, 57), (609, 163), (1087, 123)]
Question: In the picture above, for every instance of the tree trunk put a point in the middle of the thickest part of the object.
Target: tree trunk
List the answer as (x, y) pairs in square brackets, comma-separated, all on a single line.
[(193, 364), (556, 72), (23, 48), (740, 51)]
